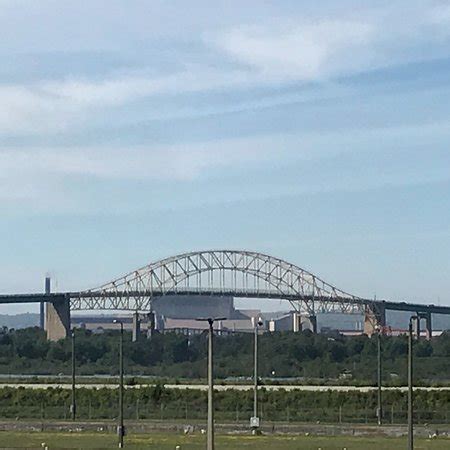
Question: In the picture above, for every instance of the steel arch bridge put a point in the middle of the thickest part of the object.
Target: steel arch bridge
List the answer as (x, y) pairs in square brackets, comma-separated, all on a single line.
[(219, 273)]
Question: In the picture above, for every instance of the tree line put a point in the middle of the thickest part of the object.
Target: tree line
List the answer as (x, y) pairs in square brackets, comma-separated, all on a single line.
[(282, 354)]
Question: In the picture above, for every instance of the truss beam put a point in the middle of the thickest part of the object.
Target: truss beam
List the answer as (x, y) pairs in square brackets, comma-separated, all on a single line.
[(219, 273)]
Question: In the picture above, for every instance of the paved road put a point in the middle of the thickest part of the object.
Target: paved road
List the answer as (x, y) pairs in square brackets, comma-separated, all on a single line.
[(219, 387)]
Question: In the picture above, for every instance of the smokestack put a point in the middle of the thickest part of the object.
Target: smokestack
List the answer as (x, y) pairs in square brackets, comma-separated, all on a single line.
[(47, 285)]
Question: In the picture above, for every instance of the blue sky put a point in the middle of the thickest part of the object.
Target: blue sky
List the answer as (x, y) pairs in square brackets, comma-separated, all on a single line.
[(318, 132)]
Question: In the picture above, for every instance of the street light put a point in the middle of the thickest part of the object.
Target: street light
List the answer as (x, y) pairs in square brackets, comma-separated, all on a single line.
[(379, 377), (73, 407), (254, 421), (210, 431), (120, 427), (410, 384)]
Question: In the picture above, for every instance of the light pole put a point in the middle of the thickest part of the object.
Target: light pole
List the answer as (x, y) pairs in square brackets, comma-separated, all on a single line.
[(73, 407), (120, 428), (210, 430), (254, 421), (379, 376), (410, 385)]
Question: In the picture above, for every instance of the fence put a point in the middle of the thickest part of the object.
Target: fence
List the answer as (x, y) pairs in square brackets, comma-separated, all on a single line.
[(186, 412)]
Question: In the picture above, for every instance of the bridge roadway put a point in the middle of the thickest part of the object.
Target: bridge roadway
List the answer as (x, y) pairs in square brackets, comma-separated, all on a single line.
[(59, 305), (64, 296)]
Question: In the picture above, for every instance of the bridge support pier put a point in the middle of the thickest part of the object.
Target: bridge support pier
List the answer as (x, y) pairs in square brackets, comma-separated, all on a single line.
[(428, 326), (57, 319), (313, 320), (375, 318), (416, 326), (309, 323), (426, 316), (150, 324), (296, 322), (136, 326)]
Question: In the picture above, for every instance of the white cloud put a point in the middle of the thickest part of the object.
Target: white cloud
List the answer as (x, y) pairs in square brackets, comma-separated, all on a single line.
[(129, 87), (48, 178), (177, 163), (275, 51), (298, 52), (24, 109), (322, 48), (440, 14), (59, 105)]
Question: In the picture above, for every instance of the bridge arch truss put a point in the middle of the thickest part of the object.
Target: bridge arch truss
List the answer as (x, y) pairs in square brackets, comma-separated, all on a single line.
[(219, 273)]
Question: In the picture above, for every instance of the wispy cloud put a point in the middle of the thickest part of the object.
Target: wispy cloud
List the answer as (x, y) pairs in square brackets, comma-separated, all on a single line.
[(273, 52), (290, 51), (53, 174), (57, 105), (315, 49), (440, 14), (35, 173)]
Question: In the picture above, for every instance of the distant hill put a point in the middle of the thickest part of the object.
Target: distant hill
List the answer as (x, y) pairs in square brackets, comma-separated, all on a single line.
[(395, 319), (19, 320)]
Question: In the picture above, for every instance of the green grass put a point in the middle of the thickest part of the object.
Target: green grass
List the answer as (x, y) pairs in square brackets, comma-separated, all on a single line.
[(197, 442)]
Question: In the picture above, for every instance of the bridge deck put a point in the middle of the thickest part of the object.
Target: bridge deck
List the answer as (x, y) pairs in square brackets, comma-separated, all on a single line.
[(57, 297), (32, 298)]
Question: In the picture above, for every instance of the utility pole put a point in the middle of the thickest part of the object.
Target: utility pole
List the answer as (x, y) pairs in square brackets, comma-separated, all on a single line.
[(254, 421), (410, 385), (120, 427), (255, 377), (73, 407), (210, 445), (380, 400), (210, 428)]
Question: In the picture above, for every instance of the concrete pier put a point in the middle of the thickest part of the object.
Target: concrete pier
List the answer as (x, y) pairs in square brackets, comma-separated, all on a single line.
[(150, 324), (374, 319), (297, 322), (428, 326), (57, 318), (308, 323), (416, 326), (136, 331)]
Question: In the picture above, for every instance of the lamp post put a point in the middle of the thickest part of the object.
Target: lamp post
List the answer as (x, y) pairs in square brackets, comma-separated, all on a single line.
[(254, 421), (410, 385), (73, 407), (120, 427), (210, 428), (379, 377)]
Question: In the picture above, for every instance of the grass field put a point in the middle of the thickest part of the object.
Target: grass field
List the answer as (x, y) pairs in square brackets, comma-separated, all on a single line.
[(224, 442)]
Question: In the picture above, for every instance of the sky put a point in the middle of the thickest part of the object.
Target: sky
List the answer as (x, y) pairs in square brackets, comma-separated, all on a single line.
[(317, 132)]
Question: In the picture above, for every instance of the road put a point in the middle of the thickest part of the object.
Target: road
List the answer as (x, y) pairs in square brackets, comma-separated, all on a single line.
[(220, 387)]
